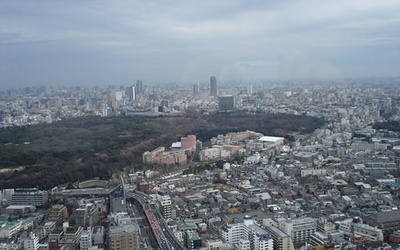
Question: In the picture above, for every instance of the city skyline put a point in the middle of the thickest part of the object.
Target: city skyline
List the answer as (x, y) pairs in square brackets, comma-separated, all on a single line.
[(102, 43)]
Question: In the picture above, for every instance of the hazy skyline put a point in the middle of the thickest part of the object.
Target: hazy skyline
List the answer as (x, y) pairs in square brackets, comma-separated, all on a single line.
[(118, 42)]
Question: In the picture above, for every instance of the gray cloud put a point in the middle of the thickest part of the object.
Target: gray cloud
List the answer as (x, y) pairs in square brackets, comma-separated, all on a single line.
[(107, 42)]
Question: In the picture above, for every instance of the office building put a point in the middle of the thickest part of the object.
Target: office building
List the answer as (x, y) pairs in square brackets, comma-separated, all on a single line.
[(213, 86), (389, 221), (196, 90), (139, 87), (123, 237), (132, 93), (358, 230), (29, 196), (98, 235), (250, 89), (118, 95), (226, 103)]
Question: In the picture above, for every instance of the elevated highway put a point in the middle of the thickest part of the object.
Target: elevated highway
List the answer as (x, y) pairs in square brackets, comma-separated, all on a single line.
[(165, 238)]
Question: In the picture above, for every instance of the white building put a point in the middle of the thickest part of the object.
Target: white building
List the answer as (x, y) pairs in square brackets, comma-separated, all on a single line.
[(311, 171), (361, 230), (86, 239), (98, 235), (239, 234), (232, 233), (9, 229), (299, 229), (243, 244), (210, 154), (31, 242), (282, 241), (165, 204), (49, 226)]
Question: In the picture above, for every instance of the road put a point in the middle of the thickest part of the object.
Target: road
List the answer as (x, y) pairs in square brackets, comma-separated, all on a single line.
[(166, 239)]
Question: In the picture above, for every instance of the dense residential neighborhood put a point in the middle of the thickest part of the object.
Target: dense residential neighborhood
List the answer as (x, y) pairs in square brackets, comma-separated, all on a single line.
[(337, 187)]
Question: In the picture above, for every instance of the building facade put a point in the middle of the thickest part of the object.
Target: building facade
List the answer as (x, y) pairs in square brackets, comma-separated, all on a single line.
[(299, 229), (258, 238), (281, 240), (58, 213), (29, 196), (226, 103), (213, 86), (124, 237)]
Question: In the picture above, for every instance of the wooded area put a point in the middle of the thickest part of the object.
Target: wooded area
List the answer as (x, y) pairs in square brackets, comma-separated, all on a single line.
[(46, 155)]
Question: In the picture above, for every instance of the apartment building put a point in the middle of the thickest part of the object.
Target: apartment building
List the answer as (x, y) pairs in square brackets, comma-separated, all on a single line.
[(299, 229), (58, 213), (124, 237)]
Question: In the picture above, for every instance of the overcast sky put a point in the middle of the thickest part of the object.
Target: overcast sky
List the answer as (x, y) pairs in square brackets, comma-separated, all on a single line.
[(100, 42)]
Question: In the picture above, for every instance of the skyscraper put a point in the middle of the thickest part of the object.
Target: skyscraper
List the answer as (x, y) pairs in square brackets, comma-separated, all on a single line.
[(196, 90), (226, 103), (139, 87), (132, 93), (213, 86)]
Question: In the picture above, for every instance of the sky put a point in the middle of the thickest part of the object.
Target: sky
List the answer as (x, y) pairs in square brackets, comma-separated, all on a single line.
[(104, 42)]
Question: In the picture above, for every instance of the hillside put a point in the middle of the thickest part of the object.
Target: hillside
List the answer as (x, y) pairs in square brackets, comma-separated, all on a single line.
[(78, 149)]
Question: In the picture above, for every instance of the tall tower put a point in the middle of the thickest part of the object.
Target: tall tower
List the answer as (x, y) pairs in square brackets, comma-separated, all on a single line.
[(196, 90), (213, 86), (132, 93), (139, 87)]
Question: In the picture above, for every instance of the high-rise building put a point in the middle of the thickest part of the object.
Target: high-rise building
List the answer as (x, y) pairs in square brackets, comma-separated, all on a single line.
[(196, 90), (250, 89), (132, 93), (123, 237), (118, 95), (139, 87), (226, 103), (213, 86)]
